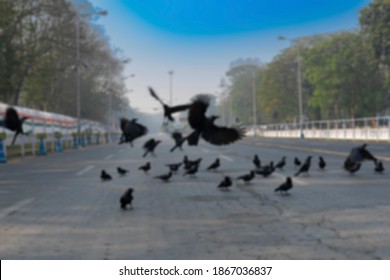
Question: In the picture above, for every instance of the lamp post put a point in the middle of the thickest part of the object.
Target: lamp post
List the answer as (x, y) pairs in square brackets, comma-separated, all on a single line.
[(170, 86), (299, 83), (254, 108), (78, 95)]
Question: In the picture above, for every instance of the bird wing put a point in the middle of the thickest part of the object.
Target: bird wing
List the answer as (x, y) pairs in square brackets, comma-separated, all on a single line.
[(155, 96), (12, 121), (179, 108), (197, 112), (223, 135)]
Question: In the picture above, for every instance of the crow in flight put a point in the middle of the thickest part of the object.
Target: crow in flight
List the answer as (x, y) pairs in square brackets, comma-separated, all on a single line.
[(145, 168), (356, 157), (126, 198), (105, 176), (122, 171), (150, 145), (13, 122), (131, 130), (204, 126), (321, 163), (168, 110), (305, 166), (179, 140), (285, 186)]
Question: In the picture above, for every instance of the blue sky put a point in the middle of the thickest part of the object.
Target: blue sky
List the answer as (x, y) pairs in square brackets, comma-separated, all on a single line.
[(197, 39)]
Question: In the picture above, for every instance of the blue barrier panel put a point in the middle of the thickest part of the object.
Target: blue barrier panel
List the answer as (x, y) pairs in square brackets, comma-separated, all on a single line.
[(59, 145), (89, 140), (75, 142), (3, 152), (42, 147), (82, 141)]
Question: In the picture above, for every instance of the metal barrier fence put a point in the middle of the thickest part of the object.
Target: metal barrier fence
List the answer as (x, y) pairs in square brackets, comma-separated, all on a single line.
[(376, 128)]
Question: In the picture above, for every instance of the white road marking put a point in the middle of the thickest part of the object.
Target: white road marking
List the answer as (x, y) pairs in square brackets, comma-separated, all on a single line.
[(108, 157), (226, 158), (85, 170), (13, 208)]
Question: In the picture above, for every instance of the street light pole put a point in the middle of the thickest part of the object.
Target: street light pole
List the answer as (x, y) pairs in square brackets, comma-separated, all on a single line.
[(254, 108), (78, 99), (170, 87)]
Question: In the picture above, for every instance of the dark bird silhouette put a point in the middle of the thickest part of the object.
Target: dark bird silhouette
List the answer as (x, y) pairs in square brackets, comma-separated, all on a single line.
[(174, 167), (131, 130), (188, 164), (127, 199), (305, 166), (280, 165), (286, 186), (13, 122), (379, 167), (179, 140), (256, 161), (122, 171), (297, 162), (321, 163), (266, 170), (356, 157), (169, 110), (164, 177), (204, 126), (214, 165), (145, 168), (225, 184), (105, 176), (150, 145), (192, 171), (247, 177)]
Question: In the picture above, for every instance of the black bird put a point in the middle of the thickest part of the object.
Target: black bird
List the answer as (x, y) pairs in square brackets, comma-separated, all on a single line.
[(204, 126), (168, 110), (305, 166), (13, 122), (297, 162), (214, 165), (150, 145), (164, 177), (122, 171), (105, 176), (281, 163), (179, 140), (145, 168), (379, 167), (192, 171), (266, 171), (321, 163), (247, 177), (126, 199), (174, 167), (283, 188), (256, 161), (131, 130), (225, 184), (356, 157), (188, 164)]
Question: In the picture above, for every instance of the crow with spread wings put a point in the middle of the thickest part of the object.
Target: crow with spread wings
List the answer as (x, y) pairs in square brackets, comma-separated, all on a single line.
[(204, 126), (131, 130), (168, 110), (13, 122)]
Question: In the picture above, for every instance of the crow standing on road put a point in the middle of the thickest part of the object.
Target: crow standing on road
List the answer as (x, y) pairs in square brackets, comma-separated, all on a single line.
[(256, 161), (281, 163), (145, 168), (379, 167), (179, 140), (13, 122), (150, 145), (214, 165), (122, 171), (285, 186), (126, 199), (321, 163), (356, 157), (188, 164), (204, 126), (305, 167), (225, 184), (105, 176), (297, 162), (247, 177), (164, 177), (266, 170), (131, 130), (192, 171), (168, 110)]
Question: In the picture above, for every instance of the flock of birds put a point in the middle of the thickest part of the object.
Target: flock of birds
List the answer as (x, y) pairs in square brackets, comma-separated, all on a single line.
[(202, 127)]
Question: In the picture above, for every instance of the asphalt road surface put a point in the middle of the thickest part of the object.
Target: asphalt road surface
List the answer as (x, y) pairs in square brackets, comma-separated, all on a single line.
[(56, 206)]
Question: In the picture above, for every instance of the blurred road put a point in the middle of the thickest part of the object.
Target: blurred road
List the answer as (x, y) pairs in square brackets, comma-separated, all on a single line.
[(56, 207)]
